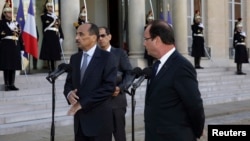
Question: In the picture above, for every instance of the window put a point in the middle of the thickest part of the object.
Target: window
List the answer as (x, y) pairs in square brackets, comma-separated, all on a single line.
[(235, 12), (192, 7)]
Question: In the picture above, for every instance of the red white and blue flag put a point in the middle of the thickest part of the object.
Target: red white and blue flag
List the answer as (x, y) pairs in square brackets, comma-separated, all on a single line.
[(30, 33), (21, 21)]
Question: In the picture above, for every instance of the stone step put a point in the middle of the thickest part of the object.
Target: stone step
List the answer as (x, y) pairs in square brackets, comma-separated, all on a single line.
[(34, 106), (30, 107), (31, 115), (34, 125)]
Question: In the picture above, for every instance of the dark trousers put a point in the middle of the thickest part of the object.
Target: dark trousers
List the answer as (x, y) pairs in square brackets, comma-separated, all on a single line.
[(79, 136), (197, 61), (119, 132), (51, 65), (9, 77)]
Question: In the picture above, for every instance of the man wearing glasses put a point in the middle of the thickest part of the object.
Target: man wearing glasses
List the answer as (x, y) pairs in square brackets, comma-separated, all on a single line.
[(119, 101)]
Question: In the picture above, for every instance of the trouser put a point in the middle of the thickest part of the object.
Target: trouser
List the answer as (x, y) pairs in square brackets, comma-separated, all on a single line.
[(51, 65), (119, 124), (239, 67), (79, 136), (9, 77), (197, 61)]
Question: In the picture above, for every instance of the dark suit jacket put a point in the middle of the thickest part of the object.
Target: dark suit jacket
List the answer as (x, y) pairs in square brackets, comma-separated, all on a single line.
[(124, 68), (173, 106), (94, 93)]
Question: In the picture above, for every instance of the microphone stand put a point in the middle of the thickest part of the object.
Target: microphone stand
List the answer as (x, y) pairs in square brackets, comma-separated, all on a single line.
[(52, 130), (133, 103)]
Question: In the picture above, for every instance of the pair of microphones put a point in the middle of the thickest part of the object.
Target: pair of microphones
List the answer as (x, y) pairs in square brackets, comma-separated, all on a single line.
[(136, 73), (140, 75), (60, 70)]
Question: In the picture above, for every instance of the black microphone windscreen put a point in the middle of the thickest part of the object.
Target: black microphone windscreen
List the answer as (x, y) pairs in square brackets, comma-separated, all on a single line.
[(137, 72), (62, 66), (66, 67), (147, 72)]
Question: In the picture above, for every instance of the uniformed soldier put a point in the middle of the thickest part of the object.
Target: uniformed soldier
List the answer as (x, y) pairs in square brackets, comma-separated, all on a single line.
[(52, 36), (198, 50), (82, 18), (11, 47), (239, 44)]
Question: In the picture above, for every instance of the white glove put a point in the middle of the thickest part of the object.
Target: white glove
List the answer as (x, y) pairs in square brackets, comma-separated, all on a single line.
[(12, 26), (201, 25), (243, 34), (54, 15), (61, 40), (22, 52)]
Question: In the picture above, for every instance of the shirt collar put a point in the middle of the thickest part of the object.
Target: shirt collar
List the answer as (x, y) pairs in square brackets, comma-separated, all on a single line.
[(165, 57), (91, 51)]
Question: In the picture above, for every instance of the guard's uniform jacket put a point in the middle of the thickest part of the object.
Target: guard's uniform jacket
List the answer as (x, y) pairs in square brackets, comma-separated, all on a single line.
[(11, 45), (198, 40), (239, 44), (52, 33)]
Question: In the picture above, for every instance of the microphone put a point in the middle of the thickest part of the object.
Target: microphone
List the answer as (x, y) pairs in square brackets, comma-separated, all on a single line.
[(146, 74), (60, 70), (135, 73)]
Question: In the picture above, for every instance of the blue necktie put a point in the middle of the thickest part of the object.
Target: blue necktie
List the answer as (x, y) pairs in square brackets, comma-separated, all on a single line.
[(155, 68), (84, 65)]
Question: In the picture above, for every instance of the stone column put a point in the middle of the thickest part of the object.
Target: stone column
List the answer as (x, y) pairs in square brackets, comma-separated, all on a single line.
[(179, 17), (69, 13), (39, 10), (217, 27), (247, 21), (136, 23)]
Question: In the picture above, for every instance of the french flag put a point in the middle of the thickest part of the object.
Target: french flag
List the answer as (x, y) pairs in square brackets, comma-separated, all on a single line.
[(30, 33)]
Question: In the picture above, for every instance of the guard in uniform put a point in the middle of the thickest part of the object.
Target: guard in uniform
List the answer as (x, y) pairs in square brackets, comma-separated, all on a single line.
[(239, 44), (81, 18), (198, 50), (52, 36), (11, 47)]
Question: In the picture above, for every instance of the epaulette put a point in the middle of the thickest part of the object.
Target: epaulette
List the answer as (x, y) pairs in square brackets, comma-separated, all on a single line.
[(75, 24)]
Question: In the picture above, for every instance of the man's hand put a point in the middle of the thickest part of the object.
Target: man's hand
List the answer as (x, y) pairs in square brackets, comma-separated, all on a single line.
[(74, 108), (117, 91), (73, 97)]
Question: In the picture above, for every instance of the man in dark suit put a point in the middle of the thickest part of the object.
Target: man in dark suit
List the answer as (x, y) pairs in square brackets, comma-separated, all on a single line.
[(90, 97), (173, 105), (119, 101)]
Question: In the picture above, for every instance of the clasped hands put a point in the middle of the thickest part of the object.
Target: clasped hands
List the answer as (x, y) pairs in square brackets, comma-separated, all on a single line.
[(75, 105)]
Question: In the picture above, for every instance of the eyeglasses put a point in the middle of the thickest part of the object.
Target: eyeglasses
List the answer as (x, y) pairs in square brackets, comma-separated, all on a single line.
[(147, 38), (103, 35)]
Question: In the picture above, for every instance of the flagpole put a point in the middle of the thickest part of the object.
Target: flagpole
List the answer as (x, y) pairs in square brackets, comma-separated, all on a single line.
[(151, 6), (12, 9), (85, 5)]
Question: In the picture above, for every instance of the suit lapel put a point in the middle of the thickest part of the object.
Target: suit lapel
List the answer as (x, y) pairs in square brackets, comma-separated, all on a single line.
[(78, 66), (92, 64), (167, 65)]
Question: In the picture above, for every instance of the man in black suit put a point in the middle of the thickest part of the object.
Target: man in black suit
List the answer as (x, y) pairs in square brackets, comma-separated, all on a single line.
[(90, 97), (119, 101), (173, 105)]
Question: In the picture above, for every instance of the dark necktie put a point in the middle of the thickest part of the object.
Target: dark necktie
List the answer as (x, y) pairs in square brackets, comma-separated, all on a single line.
[(155, 68), (84, 65)]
